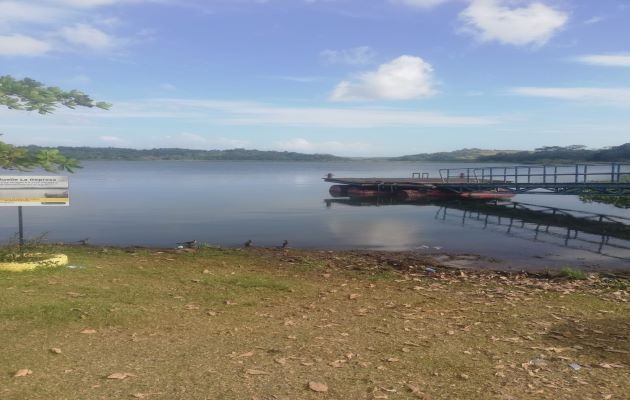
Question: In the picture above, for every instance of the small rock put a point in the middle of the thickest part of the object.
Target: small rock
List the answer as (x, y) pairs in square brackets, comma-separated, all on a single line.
[(22, 373), (318, 387)]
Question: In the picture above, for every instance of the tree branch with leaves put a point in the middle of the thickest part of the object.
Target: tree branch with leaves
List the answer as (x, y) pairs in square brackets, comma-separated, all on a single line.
[(30, 95)]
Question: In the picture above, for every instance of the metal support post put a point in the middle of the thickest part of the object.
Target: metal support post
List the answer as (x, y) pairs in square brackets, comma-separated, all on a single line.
[(21, 228)]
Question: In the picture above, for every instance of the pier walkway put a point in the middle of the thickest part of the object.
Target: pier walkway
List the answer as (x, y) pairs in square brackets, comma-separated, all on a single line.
[(596, 179)]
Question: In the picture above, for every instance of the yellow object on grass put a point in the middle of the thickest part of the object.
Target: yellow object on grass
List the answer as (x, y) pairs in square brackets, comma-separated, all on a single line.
[(56, 260)]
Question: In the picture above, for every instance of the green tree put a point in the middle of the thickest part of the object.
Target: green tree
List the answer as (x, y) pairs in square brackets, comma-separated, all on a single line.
[(30, 95)]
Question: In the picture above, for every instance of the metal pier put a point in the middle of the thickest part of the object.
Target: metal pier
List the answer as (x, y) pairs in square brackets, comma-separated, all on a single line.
[(596, 179)]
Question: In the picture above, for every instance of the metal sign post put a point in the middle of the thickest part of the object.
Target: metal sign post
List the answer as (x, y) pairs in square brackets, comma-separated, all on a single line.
[(21, 225)]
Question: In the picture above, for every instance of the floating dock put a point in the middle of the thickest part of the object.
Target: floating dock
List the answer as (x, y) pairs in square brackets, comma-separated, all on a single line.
[(494, 182)]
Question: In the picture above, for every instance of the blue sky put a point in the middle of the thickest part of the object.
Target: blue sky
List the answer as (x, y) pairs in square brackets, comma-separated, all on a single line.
[(349, 77)]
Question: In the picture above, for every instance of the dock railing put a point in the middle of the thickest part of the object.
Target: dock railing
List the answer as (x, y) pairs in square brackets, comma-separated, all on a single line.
[(538, 174)]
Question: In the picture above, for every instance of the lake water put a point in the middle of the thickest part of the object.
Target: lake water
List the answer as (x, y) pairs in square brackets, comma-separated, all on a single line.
[(161, 203)]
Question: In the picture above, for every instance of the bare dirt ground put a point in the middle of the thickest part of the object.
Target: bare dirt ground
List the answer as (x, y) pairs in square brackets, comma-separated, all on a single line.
[(272, 324)]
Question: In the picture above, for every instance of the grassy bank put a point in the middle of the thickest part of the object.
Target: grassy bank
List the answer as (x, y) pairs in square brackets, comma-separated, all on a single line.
[(262, 324)]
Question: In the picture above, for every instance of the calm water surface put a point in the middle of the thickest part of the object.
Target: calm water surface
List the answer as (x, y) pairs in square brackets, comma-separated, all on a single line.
[(160, 203)]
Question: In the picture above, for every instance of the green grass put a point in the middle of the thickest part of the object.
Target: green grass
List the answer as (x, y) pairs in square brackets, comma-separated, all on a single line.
[(571, 273), (188, 325)]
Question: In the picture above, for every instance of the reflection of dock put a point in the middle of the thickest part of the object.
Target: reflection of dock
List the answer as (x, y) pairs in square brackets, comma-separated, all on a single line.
[(604, 234), (473, 182)]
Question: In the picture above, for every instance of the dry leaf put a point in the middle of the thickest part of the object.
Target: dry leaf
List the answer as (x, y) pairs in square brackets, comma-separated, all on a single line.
[(417, 393), (22, 372), (337, 363), (88, 331), (609, 366), (139, 396), (318, 387), (119, 375), (392, 359), (281, 361), (255, 372), (55, 350), (248, 354), (191, 306), (354, 296)]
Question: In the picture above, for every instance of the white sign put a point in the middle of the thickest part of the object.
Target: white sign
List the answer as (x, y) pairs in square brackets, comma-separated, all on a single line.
[(22, 190)]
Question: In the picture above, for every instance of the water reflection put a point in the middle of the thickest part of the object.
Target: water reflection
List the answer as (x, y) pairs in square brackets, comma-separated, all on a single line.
[(603, 234)]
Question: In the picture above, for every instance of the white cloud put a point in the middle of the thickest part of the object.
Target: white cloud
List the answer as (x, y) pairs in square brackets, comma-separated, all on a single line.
[(421, 3), (495, 20), (302, 145), (88, 36), (618, 97), (403, 78), (88, 3), (21, 45), (594, 20), (12, 12), (355, 56), (191, 140), (61, 24), (258, 114), (608, 60)]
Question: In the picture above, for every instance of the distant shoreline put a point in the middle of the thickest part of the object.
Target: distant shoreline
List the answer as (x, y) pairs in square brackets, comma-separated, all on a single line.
[(546, 155)]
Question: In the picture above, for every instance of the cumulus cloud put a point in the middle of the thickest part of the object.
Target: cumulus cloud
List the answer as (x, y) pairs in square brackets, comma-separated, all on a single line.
[(354, 56), (495, 20), (403, 78), (43, 26), (607, 60), (618, 97), (21, 45)]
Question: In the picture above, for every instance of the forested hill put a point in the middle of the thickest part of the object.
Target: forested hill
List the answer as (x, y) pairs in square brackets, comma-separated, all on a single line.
[(113, 153), (556, 154), (462, 155), (551, 154)]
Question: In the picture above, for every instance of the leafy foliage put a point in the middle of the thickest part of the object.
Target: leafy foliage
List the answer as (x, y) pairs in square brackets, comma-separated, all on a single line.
[(617, 201), (31, 95)]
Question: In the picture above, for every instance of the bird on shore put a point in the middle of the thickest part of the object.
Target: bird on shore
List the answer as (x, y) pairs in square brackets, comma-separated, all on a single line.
[(189, 245), (83, 242), (248, 243), (285, 244)]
